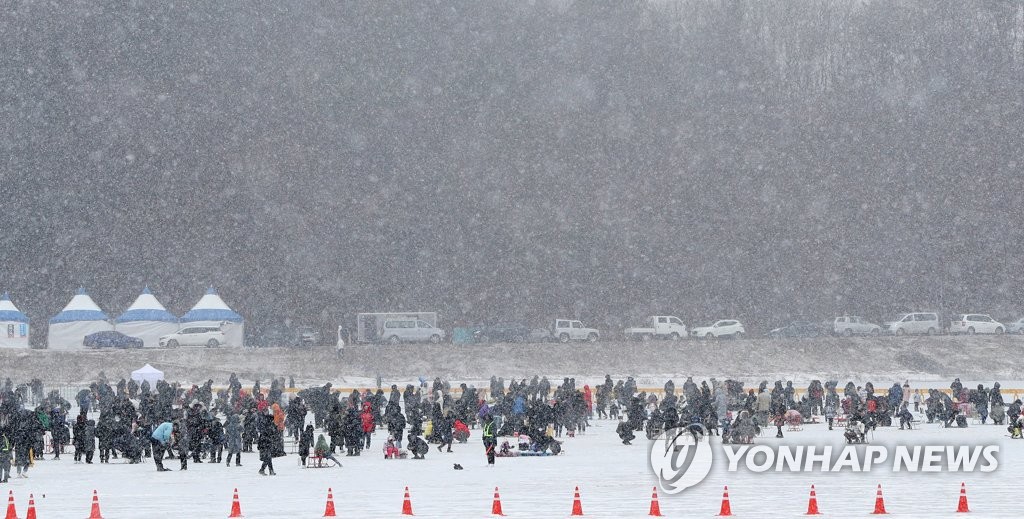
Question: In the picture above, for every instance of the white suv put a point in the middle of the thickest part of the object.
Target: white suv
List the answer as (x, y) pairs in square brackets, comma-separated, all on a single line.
[(209, 336), (723, 328), (975, 323), (849, 325), (565, 330), (916, 323), (396, 331)]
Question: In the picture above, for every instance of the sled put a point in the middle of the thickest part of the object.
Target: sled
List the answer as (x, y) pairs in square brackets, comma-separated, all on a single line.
[(315, 462)]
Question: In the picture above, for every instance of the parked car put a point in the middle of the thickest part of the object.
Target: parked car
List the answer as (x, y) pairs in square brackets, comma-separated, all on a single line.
[(975, 323), (849, 325), (111, 339), (914, 323), (396, 331), (565, 330), (658, 326), (501, 332), (307, 336), (723, 328), (209, 336), (797, 329), (1016, 326)]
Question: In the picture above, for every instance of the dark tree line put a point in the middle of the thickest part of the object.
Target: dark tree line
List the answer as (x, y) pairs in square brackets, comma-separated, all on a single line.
[(607, 160)]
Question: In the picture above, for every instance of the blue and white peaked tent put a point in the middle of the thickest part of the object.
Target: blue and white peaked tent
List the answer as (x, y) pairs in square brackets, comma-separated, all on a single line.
[(211, 310), (79, 318), (147, 319), (13, 325)]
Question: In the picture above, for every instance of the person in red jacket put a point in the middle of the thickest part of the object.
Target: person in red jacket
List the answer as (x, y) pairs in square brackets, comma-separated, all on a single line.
[(588, 399), (368, 423), (461, 431)]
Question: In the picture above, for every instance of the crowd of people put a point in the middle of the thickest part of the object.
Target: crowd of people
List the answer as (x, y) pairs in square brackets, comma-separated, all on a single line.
[(202, 424), (724, 408)]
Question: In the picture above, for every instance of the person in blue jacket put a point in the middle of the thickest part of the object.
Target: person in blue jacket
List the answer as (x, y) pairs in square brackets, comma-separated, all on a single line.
[(160, 438)]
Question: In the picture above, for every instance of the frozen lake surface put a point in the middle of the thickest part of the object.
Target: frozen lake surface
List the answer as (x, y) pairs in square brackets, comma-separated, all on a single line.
[(614, 481)]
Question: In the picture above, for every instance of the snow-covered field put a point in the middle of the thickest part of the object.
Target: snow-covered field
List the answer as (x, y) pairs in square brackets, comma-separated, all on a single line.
[(861, 359), (614, 481)]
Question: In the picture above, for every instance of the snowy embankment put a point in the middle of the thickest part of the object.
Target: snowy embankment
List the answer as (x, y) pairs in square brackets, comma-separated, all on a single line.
[(883, 359)]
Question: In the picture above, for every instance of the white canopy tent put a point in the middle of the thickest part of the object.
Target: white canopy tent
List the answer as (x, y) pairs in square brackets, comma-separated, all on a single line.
[(13, 325), (211, 310), (79, 318), (147, 319), (149, 374)]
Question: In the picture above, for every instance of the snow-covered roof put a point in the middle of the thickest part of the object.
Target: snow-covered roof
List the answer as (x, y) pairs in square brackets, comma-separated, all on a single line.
[(9, 312), (80, 308), (146, 308), (211, 308)]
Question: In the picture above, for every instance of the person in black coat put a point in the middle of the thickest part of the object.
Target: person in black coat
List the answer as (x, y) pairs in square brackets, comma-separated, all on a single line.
[(196, 424), (216, 435), (59, 430), (625, 431), (181, 442), (906, 418), (443, 430), (24, 438), (418, 447), (305, 443), (395, 422), (352, 429), (296, 413), (105, 435), (267, 443), (79, 437), (89, 440)]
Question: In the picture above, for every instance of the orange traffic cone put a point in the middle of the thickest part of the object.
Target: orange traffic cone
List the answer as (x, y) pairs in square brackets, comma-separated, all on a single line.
[(31, 513), (236, 507), (407, 503), (726, 509), (655, 507), (962, 505), (94, 513), (496, 505), (577, 506), (879, 502), (11, 512), (812, 503), (329, 511)]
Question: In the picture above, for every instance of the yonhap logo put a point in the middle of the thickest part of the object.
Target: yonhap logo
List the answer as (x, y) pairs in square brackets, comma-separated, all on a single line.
[(680, 458)]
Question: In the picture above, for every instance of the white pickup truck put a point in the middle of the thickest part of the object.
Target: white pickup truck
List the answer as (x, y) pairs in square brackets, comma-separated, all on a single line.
[(565, 330), (658, 327)]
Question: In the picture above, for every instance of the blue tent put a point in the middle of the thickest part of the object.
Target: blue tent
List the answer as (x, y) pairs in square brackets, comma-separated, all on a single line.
[(147, 319), (13, 325), (79, 318), (9, 313), (211, 308), (146, 308), (80, 308)]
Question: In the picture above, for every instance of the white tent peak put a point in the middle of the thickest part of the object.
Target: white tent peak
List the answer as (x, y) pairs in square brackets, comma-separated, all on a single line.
[(82, 301), (147, 301)]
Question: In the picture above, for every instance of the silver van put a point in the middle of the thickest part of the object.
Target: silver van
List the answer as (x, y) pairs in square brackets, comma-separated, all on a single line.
[(395, 331), (915, 323)]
